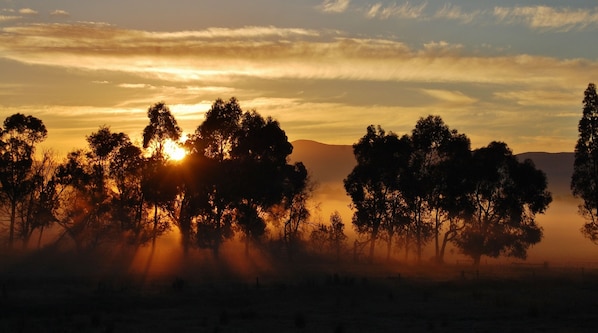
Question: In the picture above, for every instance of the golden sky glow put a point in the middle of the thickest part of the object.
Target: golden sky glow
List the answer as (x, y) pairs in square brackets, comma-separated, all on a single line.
[(503, 72)]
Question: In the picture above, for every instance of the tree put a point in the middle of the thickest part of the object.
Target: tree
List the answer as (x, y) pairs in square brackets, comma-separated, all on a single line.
[(156, 188), (17, 147), (245, 156), (211, 179), (126, 170), (432, 185), (162, 126), (96, 184), (215, 136), (507, 195), (584, 181), (372, 183), (261, 149), (38, 211), (337, 235)]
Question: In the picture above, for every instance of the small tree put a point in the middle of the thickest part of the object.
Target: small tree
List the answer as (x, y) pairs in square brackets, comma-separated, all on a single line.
[(337, 237)]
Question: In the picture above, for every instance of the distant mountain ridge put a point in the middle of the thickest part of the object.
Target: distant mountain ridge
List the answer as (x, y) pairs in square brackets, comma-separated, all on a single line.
[(332, 163)]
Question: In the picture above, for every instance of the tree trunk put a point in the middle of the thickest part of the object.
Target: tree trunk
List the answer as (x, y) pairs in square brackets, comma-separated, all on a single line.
[(11, 232), (216, 249), (373, 245), (476, 259), (436, 240), (388, 247), (185, 226), (155, 231), (445, 241), (39, 239)]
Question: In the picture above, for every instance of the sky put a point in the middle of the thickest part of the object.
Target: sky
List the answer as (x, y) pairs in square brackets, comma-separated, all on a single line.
[(325, 69)]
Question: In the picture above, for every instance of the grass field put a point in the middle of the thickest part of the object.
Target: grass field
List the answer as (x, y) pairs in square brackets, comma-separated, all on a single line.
[(300, 297)]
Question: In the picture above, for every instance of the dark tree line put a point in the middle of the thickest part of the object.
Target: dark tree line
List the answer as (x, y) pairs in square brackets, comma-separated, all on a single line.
[(425, 187), (430, 185), (235, 178)]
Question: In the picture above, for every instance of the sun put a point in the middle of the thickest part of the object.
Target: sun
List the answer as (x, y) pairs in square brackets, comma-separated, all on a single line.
[(173, 151)]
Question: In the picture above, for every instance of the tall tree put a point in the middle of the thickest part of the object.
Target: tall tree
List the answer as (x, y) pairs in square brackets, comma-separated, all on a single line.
[(261, 149), (246, 158), (157, 188), (40, 208), (213, 179), (372, 184), (506, 197), (126, 170), (584, 182), (431, 184), (18, 138)]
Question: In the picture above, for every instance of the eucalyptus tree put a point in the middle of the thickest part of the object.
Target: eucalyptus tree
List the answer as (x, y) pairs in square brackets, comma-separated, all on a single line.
[(434, 182), (584, 181), (213, 179), (89, 213), (158, 186), (372, 184), (506, 197), (128, 204), (18, 138), (260, 153), (242, 158), (39, 210)]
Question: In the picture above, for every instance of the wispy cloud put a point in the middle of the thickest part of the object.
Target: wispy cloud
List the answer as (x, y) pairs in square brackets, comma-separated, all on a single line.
[(452, 12), (452, 98), (404, 10), (60, 13), (5, 18), (334, 6), (548, 18), (27, 11), (543, 98)]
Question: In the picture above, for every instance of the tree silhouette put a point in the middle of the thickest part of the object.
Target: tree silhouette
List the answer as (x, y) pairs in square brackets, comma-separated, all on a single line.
[(372, 185), (584, 181), (213, 181), (126, 170), (431, 184), (157, 188), (246, 158), (337, 235), (506, 196), (261, 150), (18, 138), (162, 126), (39, 210)]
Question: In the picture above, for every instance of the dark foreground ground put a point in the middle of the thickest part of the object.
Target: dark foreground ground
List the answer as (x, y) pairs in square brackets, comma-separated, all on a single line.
[(306, 298)]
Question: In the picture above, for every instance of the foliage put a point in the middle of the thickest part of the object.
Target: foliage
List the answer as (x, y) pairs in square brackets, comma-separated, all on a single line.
[(372, 185), (584, 182), (18, 138), (506, 196), (430, 181)]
